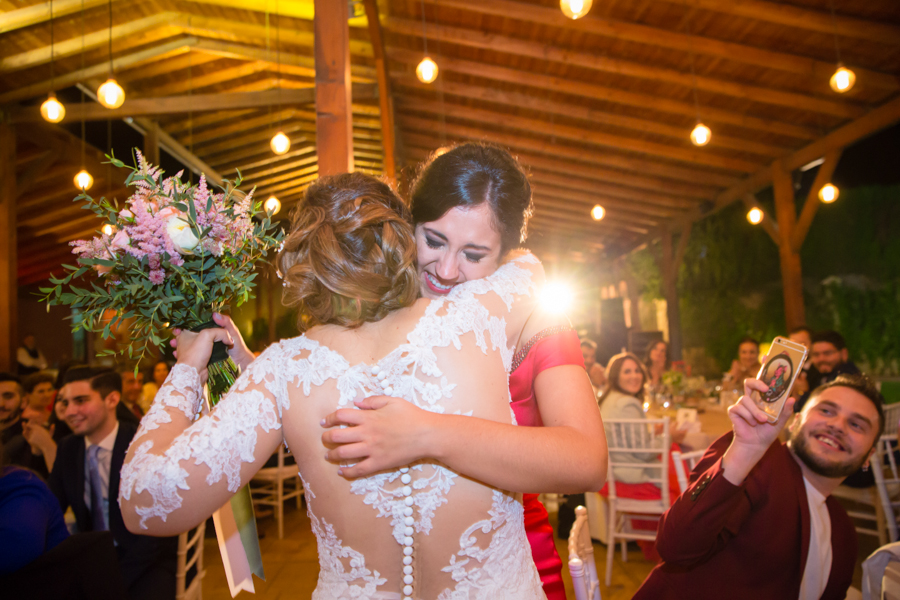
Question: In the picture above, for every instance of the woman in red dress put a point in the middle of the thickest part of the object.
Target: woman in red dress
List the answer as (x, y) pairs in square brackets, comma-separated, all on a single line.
[(470, 207)]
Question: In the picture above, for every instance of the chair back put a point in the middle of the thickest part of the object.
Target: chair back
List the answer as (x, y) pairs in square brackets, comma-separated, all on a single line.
[(582, 566), (190, 554), (887, 481), (684, 464), (891, 418), (639, 443)]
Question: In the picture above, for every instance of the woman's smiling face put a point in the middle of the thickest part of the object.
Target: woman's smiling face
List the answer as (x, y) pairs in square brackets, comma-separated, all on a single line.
[(460, 246)]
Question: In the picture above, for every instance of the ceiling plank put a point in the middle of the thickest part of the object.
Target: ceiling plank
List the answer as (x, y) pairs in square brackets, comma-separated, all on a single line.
[(216, 76), (165, 65), (497, 43), (40, 13)]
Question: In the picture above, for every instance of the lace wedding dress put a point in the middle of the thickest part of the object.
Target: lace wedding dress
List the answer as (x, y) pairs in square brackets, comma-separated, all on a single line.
[(420, 532)]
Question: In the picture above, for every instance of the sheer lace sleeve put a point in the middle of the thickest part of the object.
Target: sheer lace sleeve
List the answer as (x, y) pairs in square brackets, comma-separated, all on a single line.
[(180, 466)]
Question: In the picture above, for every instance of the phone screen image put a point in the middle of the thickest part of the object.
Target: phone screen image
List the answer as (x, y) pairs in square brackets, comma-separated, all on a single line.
[(778, 372)]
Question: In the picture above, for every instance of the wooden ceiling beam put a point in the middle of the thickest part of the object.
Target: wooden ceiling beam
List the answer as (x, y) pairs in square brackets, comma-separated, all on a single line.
[(129, 32), (40, 13), (685, 154), (269, 180), (546, 52), (633, 164), (599, 117), (185, 58), (593, 172), (385, 99), (98, 70), (214, 77), (176, 124), (275, 188), (262, 121), (816, 71), (713, 115), (284, 166), (559, 217), (35, 171), (804, 18), (582, 211)]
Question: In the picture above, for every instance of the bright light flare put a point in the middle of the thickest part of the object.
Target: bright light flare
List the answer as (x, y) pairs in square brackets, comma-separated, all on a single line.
[(556, 297), (83, 180), (110, 94), (280, 143), (829, 193), (755, 216), (598, 212), (272, 205), (427, 71), (575, 9), (108, 229), (701, 135), (52, 109), (842, 80)]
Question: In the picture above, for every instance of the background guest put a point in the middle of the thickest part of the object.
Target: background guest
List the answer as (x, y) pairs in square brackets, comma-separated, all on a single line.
[(802, 335), (132, 391), (39, 392), (29, 358), (747, 364), (657, 361), (16, 449), (157, 377), (830, 358), (594, 369)]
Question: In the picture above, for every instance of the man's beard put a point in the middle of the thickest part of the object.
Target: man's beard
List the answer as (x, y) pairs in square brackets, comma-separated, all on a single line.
[(800, 447), (12, 418)]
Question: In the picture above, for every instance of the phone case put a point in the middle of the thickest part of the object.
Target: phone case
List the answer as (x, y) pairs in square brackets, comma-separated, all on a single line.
[(783, 365)]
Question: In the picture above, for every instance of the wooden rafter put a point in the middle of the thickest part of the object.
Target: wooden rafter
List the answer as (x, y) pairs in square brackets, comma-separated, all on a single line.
[(40, 13)]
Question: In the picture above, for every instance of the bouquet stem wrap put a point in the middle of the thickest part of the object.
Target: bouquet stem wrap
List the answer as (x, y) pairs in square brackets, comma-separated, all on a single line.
[(235, 522)]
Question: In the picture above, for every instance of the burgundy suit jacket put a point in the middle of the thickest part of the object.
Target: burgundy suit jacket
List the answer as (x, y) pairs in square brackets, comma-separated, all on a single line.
[(749, 541)]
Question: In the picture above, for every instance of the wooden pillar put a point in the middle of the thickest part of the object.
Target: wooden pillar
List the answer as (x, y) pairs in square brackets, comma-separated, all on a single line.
[(670, 262), (9, 335), (334, 120), (384, 89), (151, 143), (791, 272)]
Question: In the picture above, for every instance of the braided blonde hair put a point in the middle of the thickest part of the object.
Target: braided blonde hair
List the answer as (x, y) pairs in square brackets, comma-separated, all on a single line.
[(350, 257)]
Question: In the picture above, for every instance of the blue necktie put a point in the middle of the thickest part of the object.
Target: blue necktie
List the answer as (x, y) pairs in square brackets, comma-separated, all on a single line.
[(99, 522)]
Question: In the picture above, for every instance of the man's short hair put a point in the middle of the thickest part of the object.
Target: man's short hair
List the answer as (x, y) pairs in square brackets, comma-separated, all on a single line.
[(857, 383), (103, 381), (802, 329), (35, 379), (832, 337), (6, 376), (589, 343)]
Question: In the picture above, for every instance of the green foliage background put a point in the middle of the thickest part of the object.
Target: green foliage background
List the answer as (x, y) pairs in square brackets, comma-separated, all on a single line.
[(730, 282)]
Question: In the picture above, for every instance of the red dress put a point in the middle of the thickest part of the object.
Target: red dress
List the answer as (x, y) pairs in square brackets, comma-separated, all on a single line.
[(549, 348)]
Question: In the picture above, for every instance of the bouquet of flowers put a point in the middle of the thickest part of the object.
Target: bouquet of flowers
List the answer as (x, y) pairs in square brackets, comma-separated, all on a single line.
[(173, 255)]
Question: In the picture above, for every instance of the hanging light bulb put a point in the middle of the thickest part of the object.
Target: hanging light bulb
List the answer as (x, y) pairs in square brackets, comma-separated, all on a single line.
[(829, 193), (83, 180), (598, 212), (427, 71), (755, 216), (280, 143), (701, 135), (52, 109), (575, 9), (110, 94), (272, 205), (843, 79), (108, 229)]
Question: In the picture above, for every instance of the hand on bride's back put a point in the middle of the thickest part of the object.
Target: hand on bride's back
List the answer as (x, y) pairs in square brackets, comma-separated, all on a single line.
[(387, 433)]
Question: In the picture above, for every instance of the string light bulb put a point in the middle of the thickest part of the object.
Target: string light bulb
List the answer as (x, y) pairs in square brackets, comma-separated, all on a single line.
[(83, 180), (110, 94), (52, 109), (427, 71), (701, 135), (755, 216), (272, 205), (575, 9), (598, 212), (829, 193), (280, 143), (842, 80), (108, 229)]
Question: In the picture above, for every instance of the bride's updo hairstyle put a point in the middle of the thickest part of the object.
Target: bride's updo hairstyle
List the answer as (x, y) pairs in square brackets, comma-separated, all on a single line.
[(469, 175), (350, 256)]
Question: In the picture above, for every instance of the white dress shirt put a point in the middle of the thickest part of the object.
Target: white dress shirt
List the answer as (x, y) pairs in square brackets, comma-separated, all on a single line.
[(104, 459), (818, 559)]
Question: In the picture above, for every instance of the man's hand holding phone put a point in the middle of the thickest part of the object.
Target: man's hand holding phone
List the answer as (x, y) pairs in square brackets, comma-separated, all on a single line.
[(753, 433)]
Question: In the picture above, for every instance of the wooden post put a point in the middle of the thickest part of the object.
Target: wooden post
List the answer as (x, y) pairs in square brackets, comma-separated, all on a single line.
[(9, 289), (334, 120), (151, 143), (669, 265), (791, 273)]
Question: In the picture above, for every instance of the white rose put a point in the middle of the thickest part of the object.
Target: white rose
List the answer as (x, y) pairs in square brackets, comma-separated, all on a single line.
[(181, 235)]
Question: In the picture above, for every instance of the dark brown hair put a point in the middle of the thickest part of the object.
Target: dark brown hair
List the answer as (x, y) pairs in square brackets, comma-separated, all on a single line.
[(650, 347), (614, 368), (103, 381), (350, 257), (469, 175)]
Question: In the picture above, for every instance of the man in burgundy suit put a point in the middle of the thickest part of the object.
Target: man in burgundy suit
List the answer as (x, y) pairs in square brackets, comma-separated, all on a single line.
[(758, 520)]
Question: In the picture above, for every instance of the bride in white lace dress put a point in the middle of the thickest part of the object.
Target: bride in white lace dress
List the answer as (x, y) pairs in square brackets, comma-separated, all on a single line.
[(421, 531)]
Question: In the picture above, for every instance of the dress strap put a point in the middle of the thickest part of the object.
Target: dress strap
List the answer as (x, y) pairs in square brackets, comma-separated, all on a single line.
[(521, 354)]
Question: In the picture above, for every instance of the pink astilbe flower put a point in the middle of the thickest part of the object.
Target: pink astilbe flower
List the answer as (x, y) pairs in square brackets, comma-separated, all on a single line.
[(157, 276)]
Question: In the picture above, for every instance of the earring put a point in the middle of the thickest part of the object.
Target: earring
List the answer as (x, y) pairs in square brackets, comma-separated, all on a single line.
[(865, 468)]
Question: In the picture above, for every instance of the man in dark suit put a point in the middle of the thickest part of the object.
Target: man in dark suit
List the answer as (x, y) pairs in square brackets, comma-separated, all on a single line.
[(85, 476), (758, 520)]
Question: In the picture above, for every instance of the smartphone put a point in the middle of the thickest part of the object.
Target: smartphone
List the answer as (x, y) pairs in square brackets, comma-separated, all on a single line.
[(783, 364)]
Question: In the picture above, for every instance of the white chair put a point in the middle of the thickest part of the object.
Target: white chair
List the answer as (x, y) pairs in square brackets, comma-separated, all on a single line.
[(682, 470), (271, 486), (582, 566), (190, 554), (887, 482), (626, 440)]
